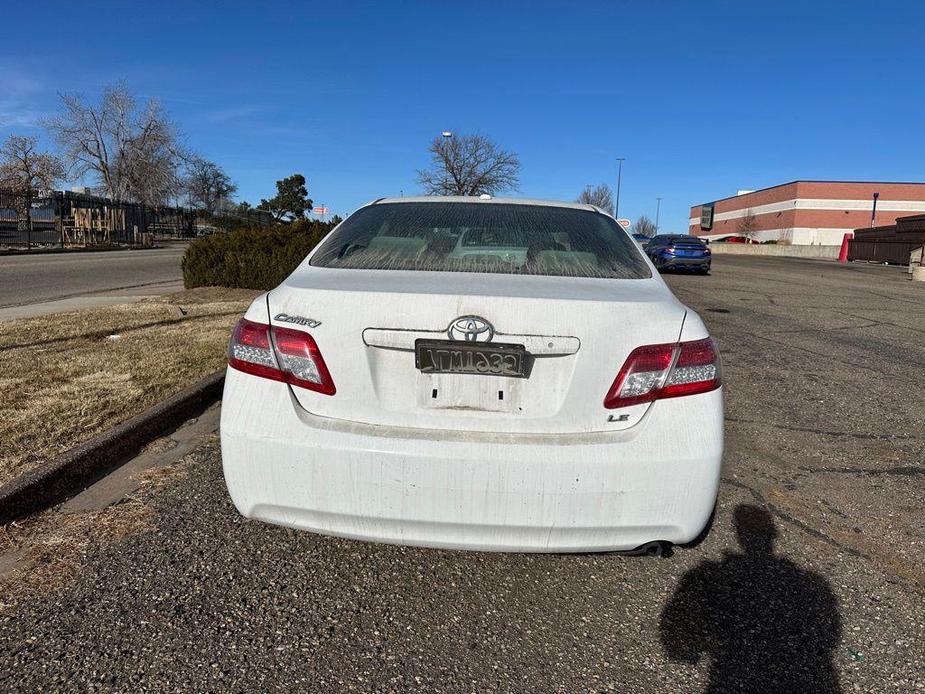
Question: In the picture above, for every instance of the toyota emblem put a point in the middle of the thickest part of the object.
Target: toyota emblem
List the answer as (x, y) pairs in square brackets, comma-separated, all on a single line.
[(470, 329)]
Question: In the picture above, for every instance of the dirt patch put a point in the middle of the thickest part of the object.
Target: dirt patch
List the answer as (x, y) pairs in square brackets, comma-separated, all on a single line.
[(48, 548), (45, 552), (67, 377)]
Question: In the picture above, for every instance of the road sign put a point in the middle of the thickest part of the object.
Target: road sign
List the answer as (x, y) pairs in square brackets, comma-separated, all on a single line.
[(625, 223), (320, 210)]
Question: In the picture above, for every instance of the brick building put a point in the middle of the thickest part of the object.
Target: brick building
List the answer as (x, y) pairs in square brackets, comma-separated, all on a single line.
[(806, 212)]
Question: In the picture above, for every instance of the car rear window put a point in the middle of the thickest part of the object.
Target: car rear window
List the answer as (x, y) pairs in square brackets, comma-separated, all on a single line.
[(686, 241), (483, 237)]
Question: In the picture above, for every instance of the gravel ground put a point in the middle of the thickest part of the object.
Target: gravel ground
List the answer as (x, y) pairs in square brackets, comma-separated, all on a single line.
[(823, 463)]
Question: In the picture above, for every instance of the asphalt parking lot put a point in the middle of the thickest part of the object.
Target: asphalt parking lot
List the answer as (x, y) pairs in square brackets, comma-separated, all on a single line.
[(812, 578)]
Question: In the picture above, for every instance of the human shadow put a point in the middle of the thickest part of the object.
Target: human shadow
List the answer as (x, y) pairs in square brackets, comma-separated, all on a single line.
[(766, 624)]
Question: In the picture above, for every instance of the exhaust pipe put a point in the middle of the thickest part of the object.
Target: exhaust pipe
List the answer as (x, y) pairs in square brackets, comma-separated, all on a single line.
[(656, 548)]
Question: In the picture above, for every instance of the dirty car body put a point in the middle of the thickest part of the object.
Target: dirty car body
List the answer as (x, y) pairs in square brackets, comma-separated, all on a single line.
[(477, 374)]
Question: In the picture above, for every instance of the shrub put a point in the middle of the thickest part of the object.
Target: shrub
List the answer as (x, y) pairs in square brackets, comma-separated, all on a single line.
[(250, 258)]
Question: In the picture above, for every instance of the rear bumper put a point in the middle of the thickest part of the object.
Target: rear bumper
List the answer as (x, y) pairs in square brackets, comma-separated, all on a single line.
[(549, 493), (672, 263)]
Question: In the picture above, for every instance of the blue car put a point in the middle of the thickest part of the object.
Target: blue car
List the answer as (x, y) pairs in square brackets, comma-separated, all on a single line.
[(679, 252), (642, 239)]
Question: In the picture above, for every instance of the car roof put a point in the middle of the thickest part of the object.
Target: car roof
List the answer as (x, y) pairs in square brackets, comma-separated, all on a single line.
[(489, 201)]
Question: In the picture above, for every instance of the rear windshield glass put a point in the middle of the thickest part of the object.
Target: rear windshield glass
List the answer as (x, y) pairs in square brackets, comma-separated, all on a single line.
[(483, 237), (685, 240)]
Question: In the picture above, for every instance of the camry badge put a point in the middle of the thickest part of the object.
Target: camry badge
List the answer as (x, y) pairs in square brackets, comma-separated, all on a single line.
[(470, 329), (298, 320)]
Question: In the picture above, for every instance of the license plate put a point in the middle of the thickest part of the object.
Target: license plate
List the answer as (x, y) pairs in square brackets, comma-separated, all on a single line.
[(451, 357)]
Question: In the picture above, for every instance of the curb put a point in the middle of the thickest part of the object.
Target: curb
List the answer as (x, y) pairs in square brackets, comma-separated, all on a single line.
[(76, 469), (65, 251)]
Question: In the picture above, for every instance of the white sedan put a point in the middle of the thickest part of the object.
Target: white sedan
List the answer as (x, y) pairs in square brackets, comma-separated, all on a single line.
[(489, 374)]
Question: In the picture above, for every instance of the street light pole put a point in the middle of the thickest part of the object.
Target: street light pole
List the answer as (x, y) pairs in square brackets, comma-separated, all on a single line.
[(616, 212), (658, 206), (447, 136)]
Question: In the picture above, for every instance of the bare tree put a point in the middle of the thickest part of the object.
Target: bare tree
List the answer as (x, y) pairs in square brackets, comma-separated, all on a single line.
[(600, 196), (207, 185), (133, 152), (469, 165), (645, 226), (23, 169), (748, 225)]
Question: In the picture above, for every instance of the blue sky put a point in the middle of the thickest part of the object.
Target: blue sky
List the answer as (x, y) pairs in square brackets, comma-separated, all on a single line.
[(701, 98)]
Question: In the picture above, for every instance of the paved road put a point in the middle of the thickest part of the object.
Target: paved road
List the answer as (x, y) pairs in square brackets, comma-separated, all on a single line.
[(27, 280), (811, 580)]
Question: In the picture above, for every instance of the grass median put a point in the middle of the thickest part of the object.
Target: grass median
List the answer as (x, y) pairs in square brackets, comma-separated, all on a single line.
[(69, 376)]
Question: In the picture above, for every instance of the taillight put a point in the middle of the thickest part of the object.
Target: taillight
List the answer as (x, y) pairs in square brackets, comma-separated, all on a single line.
[(665, 371), (697, 370), (642, 375), (280, 354), (250, 350)]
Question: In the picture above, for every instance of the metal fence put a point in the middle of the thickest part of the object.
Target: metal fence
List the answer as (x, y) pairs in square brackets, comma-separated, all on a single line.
[(233, 217), (888, 244), (64, 218)]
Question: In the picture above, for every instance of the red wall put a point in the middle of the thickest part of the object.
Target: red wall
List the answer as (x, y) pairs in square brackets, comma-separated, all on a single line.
[(833, 219)]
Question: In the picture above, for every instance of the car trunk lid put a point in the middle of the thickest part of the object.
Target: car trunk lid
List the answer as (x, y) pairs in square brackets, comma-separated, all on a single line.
[(576, 333)]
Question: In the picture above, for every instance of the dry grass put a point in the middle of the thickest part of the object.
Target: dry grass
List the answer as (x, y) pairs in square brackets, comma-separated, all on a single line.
[(66, 377)]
